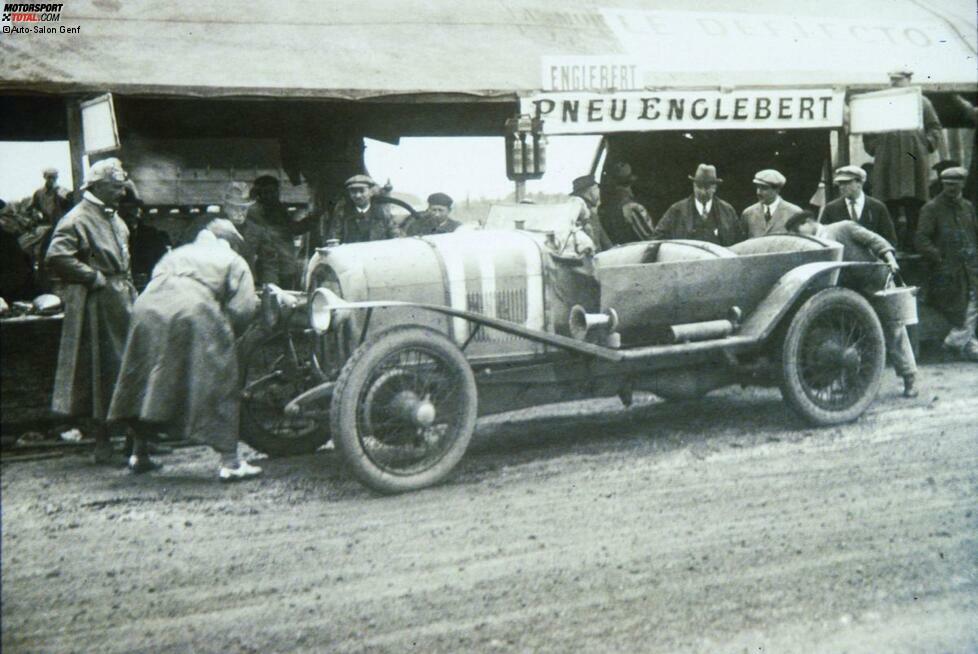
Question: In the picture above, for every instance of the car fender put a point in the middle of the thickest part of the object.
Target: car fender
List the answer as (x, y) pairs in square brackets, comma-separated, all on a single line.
[(791, 287)]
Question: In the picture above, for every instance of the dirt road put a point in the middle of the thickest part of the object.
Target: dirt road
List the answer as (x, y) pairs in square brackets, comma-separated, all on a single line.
[(723, 525)]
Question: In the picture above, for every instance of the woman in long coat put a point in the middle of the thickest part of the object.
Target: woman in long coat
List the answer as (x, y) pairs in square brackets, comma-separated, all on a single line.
[(180, 368)]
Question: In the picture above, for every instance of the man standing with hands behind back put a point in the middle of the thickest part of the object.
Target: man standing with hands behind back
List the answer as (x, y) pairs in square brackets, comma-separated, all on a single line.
[(89, 251)]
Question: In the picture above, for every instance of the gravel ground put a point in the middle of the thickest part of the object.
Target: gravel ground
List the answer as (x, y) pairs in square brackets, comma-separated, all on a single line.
[(720, 525)]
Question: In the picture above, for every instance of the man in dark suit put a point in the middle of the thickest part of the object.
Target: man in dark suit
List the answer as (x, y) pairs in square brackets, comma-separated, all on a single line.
[(623, 219), (702, 216), (357, 219), (858, 207)]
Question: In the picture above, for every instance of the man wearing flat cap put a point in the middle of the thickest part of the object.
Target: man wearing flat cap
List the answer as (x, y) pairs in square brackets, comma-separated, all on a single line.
[(624, 220), (357, 218), (853, 204), (89, 252), (771, 212), (51, 200), (901, 167), (586, 193), (947, 237), (702, 216), (437, 219)]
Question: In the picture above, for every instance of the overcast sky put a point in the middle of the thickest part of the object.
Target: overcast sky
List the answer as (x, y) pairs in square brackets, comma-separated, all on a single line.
[(461, 167)]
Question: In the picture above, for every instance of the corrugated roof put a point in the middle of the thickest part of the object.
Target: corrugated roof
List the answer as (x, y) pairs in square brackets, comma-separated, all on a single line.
[(379, 48)]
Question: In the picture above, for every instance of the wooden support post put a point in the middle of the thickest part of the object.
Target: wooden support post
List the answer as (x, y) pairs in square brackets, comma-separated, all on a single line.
[(76, 143)]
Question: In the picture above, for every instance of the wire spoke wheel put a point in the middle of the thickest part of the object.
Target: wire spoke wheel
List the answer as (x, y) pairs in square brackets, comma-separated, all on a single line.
[(404, 409), (274, 372), (833, 357)]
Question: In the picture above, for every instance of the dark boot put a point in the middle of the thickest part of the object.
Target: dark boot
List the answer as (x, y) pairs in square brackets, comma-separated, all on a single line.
[(139, 461), (909, 386)]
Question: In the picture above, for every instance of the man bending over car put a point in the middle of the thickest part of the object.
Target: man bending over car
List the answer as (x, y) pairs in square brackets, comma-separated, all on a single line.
[(861, 244)]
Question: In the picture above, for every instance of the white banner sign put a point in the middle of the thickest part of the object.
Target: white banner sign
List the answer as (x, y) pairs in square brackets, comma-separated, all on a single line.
[(99, 131), (610, 73), (644, 111), (886, 111)]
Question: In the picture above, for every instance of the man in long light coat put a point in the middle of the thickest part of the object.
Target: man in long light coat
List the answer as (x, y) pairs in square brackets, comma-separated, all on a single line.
[(89, 252), (180, 369)]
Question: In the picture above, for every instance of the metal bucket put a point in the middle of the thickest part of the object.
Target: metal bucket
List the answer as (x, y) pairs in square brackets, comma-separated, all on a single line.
[(897, 304)]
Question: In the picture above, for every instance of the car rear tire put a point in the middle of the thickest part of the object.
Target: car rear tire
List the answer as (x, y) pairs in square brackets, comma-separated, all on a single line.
[(271, 378), (832, 357), (404, 409)]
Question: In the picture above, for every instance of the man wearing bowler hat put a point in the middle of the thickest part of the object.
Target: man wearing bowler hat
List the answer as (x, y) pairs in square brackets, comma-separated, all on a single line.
[(853, 204), (437, 219), (624, 220), (702, 216), (357, 218), (771, 212), (948, 238)]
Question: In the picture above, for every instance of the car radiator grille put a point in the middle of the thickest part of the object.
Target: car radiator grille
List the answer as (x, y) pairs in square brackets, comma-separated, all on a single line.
[(509, 305)]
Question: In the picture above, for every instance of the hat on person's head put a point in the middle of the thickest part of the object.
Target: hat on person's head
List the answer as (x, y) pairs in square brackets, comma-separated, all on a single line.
[(582, 183), (849, 174), (900, 72), (236, 194), (954, 174), (621, 173), (769, 177), (107, 169), (360, 180), (943, 165), (440, 199), (705, 174), (49, 172)]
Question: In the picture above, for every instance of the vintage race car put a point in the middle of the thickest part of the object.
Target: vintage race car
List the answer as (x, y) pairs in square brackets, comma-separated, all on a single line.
[(396, 347)]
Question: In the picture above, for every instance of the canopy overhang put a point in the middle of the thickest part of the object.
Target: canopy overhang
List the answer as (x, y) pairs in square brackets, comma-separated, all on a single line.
[(442, 50)]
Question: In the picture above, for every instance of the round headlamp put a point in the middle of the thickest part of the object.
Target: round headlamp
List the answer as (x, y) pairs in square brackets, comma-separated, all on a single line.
[(320, 313)]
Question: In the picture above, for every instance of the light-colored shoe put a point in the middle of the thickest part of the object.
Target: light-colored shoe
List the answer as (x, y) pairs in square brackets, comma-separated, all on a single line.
[(243, 470)]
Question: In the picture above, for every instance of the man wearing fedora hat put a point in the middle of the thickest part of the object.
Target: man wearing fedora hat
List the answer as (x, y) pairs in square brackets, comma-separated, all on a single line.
[(702, 216), (855, 205), (771, 212), (357, 218), (624, 220), (586, 193), (89, 252), (277, 261), (255, 247), (948, 238), (902, 164)]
